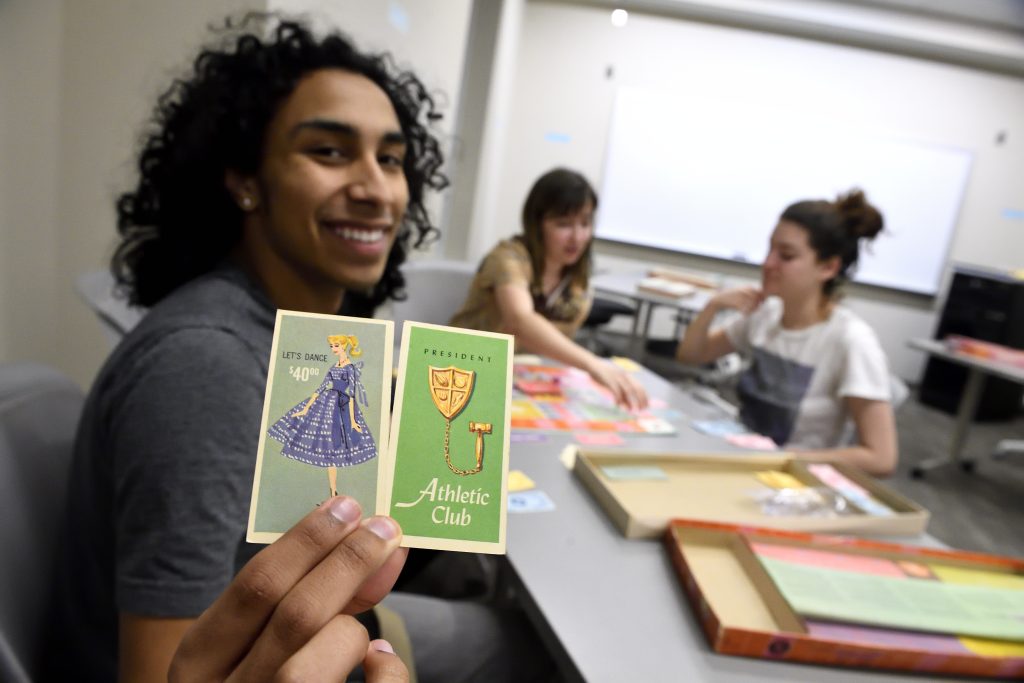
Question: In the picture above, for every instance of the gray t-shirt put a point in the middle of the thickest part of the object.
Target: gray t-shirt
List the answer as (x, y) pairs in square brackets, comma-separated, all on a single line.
[(163, 469)]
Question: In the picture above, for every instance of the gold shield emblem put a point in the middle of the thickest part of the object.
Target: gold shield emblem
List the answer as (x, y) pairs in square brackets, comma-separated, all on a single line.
[(450, 388)]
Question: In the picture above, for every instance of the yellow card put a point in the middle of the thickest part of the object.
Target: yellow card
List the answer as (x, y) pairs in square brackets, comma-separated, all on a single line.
[(779, 480), (518, 481), (627, 364)]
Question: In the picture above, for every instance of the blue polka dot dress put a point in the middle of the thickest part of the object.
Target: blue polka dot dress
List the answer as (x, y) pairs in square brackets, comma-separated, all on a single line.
[(325, 436)]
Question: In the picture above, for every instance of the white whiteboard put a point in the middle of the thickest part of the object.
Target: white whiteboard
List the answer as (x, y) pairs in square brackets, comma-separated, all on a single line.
[(711, 177)]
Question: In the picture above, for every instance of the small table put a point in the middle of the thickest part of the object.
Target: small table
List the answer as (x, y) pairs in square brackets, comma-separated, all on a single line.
[(977, 370), (625, 285)]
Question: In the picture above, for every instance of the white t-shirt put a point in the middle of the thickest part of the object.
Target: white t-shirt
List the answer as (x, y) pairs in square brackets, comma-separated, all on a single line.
[(793, 390)]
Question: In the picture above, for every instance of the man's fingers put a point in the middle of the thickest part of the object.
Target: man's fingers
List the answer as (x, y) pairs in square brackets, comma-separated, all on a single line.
[(235, 620), (321, 595), (375, 588), (330, 655), (382, 665)]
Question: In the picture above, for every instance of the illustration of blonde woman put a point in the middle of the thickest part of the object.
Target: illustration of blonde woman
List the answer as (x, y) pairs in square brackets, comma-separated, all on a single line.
[(328, 429)]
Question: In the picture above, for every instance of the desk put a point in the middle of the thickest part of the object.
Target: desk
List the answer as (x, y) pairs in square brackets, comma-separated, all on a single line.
[(613, 609), (625, 285), (977, 370)]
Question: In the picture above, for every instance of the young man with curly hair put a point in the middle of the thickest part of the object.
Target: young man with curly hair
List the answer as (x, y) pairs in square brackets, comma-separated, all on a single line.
[(285, 171)]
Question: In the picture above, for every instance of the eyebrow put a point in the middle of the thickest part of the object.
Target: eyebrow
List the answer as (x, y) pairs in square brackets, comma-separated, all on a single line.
[(332, 126)]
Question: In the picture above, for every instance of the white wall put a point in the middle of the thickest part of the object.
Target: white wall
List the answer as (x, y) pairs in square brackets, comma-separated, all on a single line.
[(118, 56), (30, 68), (563, 94), (78, 80)]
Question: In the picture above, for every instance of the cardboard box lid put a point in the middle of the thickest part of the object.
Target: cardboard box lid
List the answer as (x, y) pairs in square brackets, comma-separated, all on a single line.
[(717, 487), (743, 613)]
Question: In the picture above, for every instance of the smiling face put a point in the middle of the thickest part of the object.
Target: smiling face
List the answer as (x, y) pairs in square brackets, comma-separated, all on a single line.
[(330, 193), (566, 237), (792, 270)]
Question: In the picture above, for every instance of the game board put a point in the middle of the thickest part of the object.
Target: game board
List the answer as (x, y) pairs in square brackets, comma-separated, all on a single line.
[(565, 399)]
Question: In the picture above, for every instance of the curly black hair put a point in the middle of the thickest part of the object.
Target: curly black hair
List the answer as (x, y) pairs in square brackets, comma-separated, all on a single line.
[(180, 221)]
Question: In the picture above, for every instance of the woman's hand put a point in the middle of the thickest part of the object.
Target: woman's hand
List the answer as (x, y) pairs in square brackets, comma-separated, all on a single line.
[(743, 299), (626, 390), (286, 614)]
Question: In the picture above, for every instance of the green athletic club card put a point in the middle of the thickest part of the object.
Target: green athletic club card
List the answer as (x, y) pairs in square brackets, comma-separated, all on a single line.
[(448, 451), (325, 418)]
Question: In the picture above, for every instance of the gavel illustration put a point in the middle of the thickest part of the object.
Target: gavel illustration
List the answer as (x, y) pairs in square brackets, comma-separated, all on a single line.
[(480, 428)]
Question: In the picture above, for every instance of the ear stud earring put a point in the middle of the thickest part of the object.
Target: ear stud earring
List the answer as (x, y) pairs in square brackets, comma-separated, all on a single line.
[(247, 203)]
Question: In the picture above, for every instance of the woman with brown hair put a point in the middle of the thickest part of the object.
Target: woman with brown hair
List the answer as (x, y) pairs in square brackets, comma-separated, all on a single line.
[(535, 285)]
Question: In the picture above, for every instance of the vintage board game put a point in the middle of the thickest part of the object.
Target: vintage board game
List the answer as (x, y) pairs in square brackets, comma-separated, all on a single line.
[(555, 398), (744, 610), (447, 478), (642, 491), (325, 418), (438, 464)]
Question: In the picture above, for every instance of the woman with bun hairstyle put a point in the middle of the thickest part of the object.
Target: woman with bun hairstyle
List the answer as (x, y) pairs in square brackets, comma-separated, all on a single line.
[(536, 285), (814, 364)]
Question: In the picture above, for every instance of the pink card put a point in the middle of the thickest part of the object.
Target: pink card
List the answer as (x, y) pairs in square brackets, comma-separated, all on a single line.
[(756, 442), (598, 438)]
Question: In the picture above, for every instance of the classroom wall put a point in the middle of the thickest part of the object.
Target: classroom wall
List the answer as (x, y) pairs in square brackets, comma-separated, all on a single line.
[(30, 68), (79, 79), (571, 59)]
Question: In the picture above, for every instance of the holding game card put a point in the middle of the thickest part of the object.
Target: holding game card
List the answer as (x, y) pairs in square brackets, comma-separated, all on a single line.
[(320, 416), (284, 170), (450, 439)]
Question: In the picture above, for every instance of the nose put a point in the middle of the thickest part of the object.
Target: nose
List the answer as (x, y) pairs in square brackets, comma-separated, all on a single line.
[(368, 182)]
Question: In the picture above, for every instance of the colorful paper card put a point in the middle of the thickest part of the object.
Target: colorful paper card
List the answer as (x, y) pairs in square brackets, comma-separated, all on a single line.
[(599, 439), (448, 453), (719, 427), (518, 481), (325, 417), (529, 501), (779, 480), (866, 597), (754, 442)]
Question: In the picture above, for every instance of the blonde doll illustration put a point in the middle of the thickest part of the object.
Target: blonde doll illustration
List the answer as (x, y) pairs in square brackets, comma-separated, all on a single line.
[(328, 429)]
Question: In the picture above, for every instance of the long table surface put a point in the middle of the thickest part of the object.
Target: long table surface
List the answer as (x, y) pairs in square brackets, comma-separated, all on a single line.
[(613, 609)]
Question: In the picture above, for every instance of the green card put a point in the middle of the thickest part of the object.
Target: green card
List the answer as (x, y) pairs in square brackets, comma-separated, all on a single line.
[(448, 452), (325, 418)]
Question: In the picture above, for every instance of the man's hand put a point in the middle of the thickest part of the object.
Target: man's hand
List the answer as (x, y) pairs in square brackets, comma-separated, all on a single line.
[(286, 614)]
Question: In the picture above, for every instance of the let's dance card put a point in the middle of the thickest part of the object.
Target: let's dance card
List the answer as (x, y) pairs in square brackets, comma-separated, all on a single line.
[(448, 450), (325, 418)]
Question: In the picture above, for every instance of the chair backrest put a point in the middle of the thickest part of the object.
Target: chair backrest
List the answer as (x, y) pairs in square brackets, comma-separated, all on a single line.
[(435, 291), (39, 412), (98, 289)]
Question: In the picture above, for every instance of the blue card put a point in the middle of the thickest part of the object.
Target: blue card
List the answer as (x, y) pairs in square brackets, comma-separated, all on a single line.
[(527, 437), (530, 501), (719, 427)]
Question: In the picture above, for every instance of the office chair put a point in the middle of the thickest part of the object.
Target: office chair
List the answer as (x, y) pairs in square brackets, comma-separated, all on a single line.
[(434, 289), (39, 411), (601, 312)]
